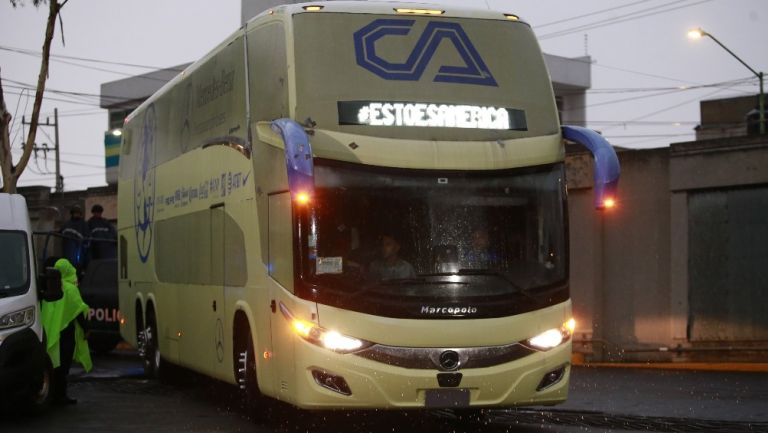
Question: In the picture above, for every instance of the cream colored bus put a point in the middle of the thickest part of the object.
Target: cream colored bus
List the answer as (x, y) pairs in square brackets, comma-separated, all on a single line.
[(356, 205)]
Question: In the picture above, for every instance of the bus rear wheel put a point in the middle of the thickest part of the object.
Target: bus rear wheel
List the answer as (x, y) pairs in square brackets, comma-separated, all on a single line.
[(149, 348)]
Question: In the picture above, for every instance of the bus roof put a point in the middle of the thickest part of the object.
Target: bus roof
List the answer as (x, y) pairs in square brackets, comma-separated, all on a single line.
[(391, 8)]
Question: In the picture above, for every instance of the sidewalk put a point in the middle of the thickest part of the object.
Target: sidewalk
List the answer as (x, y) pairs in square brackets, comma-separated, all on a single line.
[(748, 367), (694, 394)]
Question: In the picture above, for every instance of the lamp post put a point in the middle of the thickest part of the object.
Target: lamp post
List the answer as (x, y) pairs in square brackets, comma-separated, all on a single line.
[(700, 33)]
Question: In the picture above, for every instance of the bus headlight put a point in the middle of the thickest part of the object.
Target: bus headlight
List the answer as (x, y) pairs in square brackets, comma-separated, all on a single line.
[(19, 318), (553, 337), (315, 334)]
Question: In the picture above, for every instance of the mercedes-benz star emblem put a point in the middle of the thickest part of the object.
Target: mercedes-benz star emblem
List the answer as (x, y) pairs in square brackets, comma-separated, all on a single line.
[(449, 360)]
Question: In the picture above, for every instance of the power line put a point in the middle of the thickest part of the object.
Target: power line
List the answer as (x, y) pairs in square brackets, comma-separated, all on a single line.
[(590, 14), (68, 101), (627, 17), (724, 85), (84, 59), (97, 96), (58, 59), (87, 155), (750, 81), (653, 113), (84, 113), (81, 164)]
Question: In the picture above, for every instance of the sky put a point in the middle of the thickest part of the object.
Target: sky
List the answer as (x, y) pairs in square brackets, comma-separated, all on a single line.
[(647, 76)]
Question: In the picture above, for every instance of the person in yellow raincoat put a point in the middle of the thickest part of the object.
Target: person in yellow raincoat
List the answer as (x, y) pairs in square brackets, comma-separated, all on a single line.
[(64, 326)]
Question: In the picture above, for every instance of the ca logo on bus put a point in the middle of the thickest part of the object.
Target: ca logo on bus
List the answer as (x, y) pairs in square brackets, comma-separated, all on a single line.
[(474, 70), (144, 185)]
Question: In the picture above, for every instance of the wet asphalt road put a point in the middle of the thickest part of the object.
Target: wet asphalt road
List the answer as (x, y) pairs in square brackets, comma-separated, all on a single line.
[(115, 398)]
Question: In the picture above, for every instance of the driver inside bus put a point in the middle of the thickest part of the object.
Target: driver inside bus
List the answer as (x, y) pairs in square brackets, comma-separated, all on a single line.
[(389, 265), (480, 255)]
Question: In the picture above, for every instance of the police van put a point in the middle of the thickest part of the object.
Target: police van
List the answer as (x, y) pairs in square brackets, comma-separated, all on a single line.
[(25, 371)]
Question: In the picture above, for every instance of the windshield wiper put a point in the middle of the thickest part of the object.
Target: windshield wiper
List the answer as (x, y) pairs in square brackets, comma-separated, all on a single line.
[(523, 291), (404, 281)]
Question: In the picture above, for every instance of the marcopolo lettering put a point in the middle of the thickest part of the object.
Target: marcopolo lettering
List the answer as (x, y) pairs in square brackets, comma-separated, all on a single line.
[(454, 311), (474, 70)]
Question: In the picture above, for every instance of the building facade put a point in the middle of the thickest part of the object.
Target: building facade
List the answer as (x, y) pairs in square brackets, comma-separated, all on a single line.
[(677, 271)]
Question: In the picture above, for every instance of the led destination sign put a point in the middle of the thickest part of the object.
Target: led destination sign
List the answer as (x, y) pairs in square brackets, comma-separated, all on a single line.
[(431, 115)]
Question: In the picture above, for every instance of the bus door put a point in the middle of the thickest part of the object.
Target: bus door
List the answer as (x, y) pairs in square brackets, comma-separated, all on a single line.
[(280, 281)]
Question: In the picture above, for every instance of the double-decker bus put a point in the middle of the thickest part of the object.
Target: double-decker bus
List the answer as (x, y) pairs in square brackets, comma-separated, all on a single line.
[(356, 205)]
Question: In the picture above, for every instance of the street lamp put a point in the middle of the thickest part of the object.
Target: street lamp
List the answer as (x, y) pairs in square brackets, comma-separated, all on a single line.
[(699, 33)]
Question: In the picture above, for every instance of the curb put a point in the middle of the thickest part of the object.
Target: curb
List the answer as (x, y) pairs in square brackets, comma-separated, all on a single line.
[(736, 367)]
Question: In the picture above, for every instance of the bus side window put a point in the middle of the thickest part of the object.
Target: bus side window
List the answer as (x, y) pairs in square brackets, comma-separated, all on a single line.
[(280, 263)]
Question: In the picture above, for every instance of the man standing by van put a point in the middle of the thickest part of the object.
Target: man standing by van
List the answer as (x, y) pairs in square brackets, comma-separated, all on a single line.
[(64, 325), (75, 231), (103, 234)]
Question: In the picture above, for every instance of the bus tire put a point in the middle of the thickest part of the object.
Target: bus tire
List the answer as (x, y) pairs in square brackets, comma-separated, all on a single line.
[(40, 399), (149, 347), (247, 381)]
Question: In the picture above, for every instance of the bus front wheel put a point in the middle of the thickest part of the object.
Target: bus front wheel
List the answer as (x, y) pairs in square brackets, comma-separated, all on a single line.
[(246, 377)]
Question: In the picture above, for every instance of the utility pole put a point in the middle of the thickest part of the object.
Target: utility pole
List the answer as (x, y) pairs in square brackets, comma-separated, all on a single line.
[(59, 177), (55, 124)]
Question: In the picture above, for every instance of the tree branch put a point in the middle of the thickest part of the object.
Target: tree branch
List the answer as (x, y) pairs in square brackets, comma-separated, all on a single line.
[(61, 24), (53, 12), (6, 158)]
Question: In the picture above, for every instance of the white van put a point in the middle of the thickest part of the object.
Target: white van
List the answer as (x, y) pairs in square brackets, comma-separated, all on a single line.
[(25, 373)]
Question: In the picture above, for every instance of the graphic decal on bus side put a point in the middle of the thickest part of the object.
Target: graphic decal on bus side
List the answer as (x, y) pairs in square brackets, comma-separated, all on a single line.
[(144, 185), (474, 70)]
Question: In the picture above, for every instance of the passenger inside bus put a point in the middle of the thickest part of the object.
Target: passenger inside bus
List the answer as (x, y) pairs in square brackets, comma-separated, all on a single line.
[(480, 255)]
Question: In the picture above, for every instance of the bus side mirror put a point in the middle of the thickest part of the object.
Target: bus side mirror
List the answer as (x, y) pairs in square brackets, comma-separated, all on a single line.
[(607, 168), (49, 285), (298, 157)]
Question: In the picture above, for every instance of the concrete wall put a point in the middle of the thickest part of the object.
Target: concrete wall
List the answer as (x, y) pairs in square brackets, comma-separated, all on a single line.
[(630, 265), (620, 257), (726, 117)]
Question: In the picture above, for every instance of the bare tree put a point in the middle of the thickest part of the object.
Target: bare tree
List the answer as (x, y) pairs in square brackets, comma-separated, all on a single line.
[(11, 172)]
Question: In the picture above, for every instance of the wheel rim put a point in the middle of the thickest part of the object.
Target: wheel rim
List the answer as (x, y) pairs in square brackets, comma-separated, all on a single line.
[(156, 358), (45, 387), (242, 369), (149, 350)]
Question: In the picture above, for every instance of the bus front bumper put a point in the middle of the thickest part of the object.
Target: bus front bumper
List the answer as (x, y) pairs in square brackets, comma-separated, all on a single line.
[(329, 380)]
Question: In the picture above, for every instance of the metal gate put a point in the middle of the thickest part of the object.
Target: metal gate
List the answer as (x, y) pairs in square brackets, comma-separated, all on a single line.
[(728, 265)]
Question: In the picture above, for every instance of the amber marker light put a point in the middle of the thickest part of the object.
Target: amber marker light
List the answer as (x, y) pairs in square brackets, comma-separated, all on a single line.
[(313, 8), (302, 198), (419, 11), (302, 328), (570, 325), (512, 17), (609, 203)]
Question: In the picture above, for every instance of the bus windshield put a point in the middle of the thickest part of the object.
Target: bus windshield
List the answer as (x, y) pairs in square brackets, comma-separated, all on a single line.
[(14, 256), (384, 240)]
